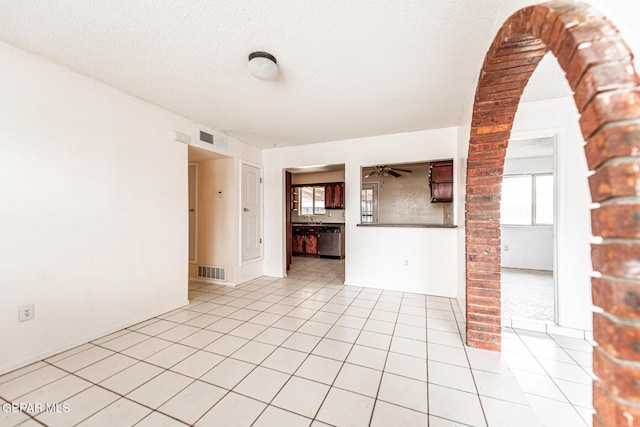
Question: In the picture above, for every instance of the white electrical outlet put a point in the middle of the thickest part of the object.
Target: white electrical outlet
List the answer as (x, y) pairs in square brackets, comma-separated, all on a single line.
[(26, 312), (405, 262), (506, 248)]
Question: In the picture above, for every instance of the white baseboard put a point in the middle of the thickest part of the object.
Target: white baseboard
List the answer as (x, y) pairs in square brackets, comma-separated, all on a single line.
[(546, 327), (211, 281)]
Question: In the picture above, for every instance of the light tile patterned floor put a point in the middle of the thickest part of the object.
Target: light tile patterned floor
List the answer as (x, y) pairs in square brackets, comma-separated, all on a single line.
[(527, 294), (306, 350)]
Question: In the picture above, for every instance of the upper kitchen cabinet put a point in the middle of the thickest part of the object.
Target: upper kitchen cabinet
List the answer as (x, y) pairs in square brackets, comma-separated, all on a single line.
[(334, 195), (441, 181)]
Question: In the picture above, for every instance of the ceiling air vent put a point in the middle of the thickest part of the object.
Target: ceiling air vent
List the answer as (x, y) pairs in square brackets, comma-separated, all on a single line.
[(206, 137)]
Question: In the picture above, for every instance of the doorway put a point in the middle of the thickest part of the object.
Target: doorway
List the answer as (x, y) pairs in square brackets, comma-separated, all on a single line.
[(211, 201), (528, 230), (314, 220)]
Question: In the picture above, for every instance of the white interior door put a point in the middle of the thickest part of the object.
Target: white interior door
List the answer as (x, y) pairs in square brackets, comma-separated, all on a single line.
[(192, 213), (250, 213)]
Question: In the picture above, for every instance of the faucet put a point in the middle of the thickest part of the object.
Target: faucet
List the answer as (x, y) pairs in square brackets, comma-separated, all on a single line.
[(309, 218)]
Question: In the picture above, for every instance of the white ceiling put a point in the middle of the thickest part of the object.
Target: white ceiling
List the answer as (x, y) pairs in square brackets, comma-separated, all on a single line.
[(527, 148), (347, 68)]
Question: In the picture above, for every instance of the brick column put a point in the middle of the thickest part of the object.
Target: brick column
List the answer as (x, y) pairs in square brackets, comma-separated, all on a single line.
[(600, 71)]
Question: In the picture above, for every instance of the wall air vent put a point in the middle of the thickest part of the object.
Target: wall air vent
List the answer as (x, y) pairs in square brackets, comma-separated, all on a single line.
[(206, 137), (214, 273)]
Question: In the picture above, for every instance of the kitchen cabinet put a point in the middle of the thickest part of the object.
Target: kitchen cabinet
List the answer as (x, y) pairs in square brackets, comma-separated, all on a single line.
[(297, 242), (334, 195), (304, 240), (441, 181), (293, 198), (311, 244)]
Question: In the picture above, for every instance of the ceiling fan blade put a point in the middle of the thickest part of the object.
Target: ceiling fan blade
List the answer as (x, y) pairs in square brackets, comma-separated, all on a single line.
[(393, 173), (369, 174), (402, 170)]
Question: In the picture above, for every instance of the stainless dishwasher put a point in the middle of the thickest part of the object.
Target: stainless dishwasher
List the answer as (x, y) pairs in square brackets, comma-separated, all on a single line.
[(329, 243)]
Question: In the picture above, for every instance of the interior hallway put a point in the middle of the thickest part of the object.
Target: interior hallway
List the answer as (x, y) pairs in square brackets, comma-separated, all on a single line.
[(307, 350)]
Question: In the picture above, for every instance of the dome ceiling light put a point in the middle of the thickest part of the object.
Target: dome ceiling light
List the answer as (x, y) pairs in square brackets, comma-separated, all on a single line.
[(263, 65)]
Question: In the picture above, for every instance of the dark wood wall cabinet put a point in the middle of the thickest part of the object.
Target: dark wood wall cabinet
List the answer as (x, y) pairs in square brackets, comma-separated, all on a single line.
[(305, 240), (334, 195), (441, 181)]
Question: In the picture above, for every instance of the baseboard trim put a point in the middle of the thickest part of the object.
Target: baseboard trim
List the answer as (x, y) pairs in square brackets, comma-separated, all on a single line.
[(546, 327), (211, 281)]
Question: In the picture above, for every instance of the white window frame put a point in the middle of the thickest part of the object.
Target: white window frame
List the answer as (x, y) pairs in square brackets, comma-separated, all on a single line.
[(534, 222), (314, 210), (373, 186)]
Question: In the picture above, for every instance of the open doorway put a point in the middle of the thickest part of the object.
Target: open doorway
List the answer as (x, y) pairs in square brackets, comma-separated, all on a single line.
[(315, 219), (527, 228), (211, 216)]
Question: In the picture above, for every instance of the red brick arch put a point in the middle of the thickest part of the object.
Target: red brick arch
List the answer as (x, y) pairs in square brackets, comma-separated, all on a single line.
[(599, 68)]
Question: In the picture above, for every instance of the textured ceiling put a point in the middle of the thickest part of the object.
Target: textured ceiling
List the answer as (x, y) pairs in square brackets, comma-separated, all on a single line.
[(347, 69), (533, 147)]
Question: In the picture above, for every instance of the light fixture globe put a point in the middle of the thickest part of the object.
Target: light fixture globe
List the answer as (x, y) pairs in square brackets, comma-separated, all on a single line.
[(263, 65)]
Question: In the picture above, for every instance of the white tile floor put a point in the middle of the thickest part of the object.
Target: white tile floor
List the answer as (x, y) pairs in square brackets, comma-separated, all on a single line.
[(306, 350)]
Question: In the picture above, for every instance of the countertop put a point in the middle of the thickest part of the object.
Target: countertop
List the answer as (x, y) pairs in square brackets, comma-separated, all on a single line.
[(324, 224), (338, 224), (410, 225)]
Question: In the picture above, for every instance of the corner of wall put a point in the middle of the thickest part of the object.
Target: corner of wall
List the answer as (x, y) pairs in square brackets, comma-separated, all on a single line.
[(461, 175)]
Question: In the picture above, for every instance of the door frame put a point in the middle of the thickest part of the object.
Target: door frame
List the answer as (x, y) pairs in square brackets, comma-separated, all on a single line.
[(288, 176), (559, 199), (195, 190)]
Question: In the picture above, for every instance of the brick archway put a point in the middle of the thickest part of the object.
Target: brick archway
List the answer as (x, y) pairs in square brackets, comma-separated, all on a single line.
[(599, 68)]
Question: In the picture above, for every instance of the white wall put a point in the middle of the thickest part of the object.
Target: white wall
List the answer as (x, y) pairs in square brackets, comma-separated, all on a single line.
[(92, 219), (529, 247), (374, 256), (560, 117), (93, 211)]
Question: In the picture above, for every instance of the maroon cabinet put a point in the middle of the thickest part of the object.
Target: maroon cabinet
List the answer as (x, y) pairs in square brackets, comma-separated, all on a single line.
[(305, 240), (311, 244), (334, 195), (441, 181), (297, 242)]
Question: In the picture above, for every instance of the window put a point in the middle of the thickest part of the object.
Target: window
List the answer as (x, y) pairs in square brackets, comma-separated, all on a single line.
[(311, 200), (369, 201), (527, 200)]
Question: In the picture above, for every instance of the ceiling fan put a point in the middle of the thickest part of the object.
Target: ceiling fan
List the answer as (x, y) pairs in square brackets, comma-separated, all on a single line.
[(384, 170)]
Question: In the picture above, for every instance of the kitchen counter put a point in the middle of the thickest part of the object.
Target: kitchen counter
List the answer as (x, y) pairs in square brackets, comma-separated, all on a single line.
[(317, 224), (409, 225)]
